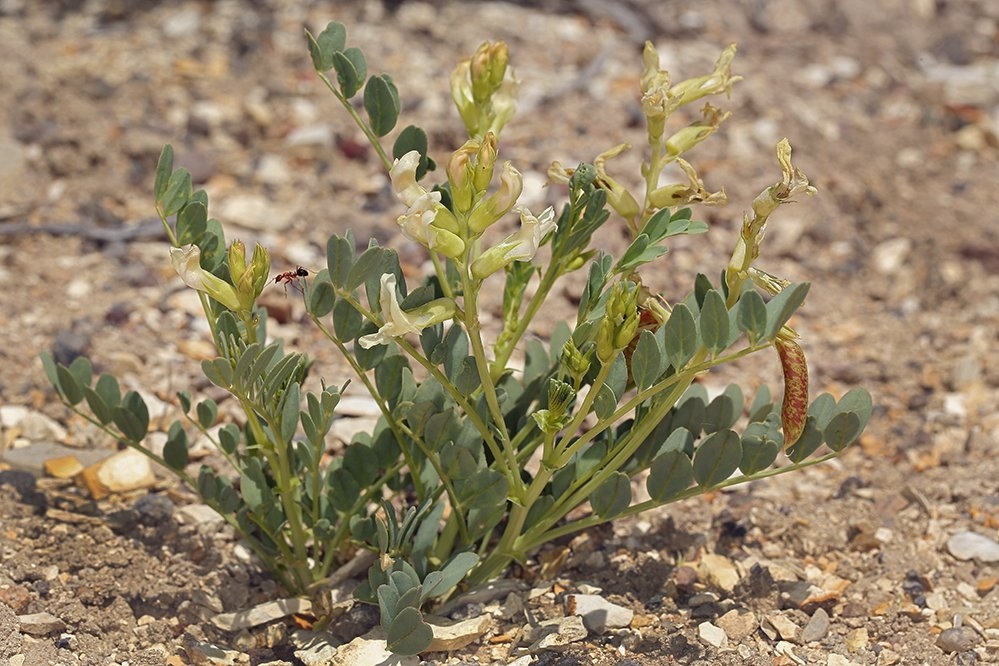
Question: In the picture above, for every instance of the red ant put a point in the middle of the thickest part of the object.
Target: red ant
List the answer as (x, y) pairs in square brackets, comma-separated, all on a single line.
[(291, 277)]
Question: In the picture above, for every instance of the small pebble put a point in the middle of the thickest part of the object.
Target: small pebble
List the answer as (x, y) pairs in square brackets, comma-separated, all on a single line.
[(712, 635), (973, 546), (817, 627), (957, 639)]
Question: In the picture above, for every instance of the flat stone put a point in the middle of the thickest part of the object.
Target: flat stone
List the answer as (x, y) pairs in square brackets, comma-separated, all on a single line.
[(198, 514), (369, 650), (973, 546), (718, 571), (558, 633), (738, 623), (817, 627), (712, 635), (261, 614), (784, 627), (40, 624), (124, 471), (450, 635), (32, 458), (63, 467), (206, 654), (598, 614)]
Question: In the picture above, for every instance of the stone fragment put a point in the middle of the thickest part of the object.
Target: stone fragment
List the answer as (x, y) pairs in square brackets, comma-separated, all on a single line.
[(557, 634), (738, 623), (712, 635), (783, 627), (33, 456), (857, 639), (718, 571), (261, 614), (598, 614), (817, 627), (968, 545), (124, 471), (63, 467), (839, 660), (785, 649), (957, 639), (15, 596), (206, 654), (369, 650), (40, 624), (313, 648), (450, 635), (890, 255), (198, 514)]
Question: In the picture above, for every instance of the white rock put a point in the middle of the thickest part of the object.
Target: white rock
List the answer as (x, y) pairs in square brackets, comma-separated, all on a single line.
[(712, 635), (366, 651), (889, 256), (450, 635), (261, 614), (316, 648), (12, 415), (252, 211), (37, 426), (124, 471), (197, 514), (973, 546), (598, 614)]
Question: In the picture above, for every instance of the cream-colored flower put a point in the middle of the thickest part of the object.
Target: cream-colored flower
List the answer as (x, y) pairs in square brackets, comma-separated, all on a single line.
[(398, 321), (424, 209), (519, 246), (187, 262)]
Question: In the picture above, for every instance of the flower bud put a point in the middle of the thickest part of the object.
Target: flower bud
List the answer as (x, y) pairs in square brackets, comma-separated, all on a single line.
[(575, 362), (460, 174), (237, 260), (605, 341), (485, 161)]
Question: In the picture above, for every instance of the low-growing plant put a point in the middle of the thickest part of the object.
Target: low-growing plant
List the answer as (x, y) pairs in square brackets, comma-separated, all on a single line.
[(480, 456)]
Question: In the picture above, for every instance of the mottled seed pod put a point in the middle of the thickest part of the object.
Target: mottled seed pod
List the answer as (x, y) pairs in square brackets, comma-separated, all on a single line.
[(794, 409)]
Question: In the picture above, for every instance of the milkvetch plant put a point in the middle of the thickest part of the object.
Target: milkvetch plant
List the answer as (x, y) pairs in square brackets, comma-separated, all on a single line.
[(479, 458)]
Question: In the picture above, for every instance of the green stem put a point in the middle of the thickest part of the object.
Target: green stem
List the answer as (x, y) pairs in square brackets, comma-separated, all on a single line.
[(504, 351), (507, 458)]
